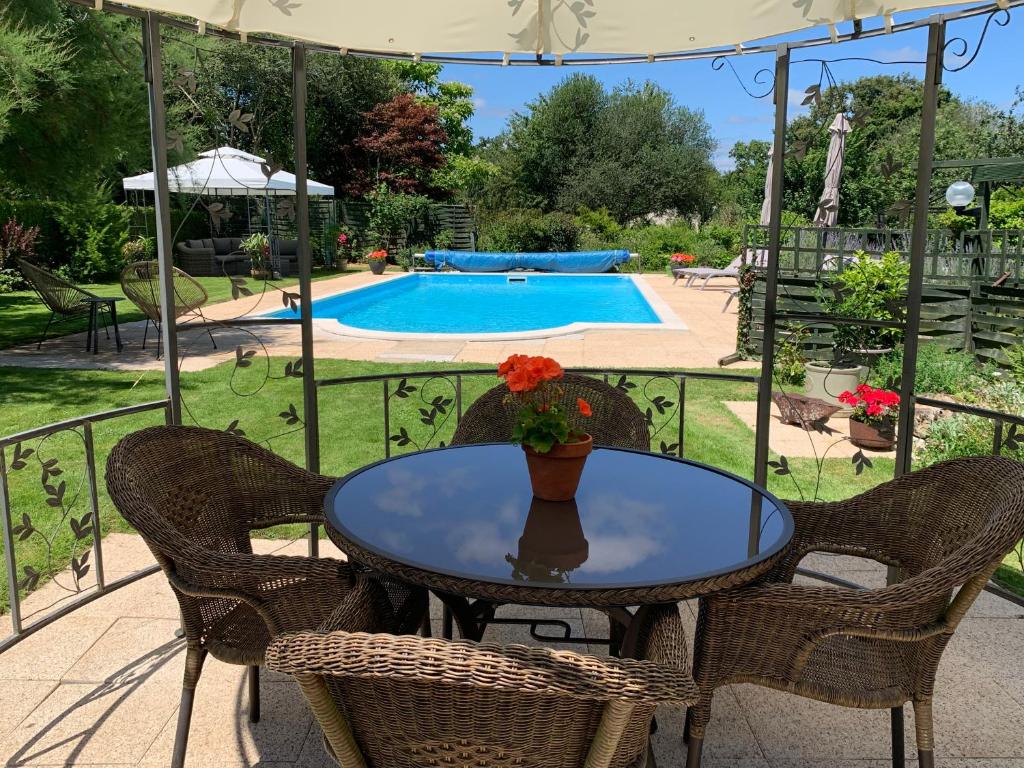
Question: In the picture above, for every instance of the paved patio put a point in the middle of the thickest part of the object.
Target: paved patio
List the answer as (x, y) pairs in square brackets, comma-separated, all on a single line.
[(100, 687), (710, 335)]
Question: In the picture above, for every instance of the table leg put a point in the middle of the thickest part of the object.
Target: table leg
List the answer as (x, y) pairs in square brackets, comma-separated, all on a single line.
[(88, 330), (465, 614), (113, 320), (94, 322)]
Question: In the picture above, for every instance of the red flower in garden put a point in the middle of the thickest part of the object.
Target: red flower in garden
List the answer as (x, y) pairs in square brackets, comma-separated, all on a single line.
[(871, 403), (584, 407)]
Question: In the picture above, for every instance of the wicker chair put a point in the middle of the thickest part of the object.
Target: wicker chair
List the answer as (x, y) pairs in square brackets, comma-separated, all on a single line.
[(616, 422), (64, 300), (945, 527), (140, 282), (411, 702), (195, 495)]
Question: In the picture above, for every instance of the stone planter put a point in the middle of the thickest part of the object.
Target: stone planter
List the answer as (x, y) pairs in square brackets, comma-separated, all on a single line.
[(377, 266), (826, 382)]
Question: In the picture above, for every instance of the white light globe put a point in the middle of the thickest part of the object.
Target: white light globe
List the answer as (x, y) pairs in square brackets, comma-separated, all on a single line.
[(960, 194)]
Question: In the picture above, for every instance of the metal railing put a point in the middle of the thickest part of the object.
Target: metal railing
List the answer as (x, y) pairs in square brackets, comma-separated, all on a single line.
[(435, 402), (85, 530)]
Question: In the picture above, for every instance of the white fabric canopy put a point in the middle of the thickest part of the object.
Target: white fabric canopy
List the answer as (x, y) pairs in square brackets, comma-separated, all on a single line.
[(529, 26), (226, 171)]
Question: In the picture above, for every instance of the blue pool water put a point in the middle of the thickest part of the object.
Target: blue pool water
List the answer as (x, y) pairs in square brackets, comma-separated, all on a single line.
[(499, 303)]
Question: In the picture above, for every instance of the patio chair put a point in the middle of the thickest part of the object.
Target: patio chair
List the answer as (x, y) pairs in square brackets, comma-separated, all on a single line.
[(758, 258), (412, 702), (195, 495), (63, 299), (140, 282), (945, 528), (616, 422)]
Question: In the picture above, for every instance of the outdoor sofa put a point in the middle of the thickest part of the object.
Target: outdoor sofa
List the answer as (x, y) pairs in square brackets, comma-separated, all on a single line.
[(224, 256)]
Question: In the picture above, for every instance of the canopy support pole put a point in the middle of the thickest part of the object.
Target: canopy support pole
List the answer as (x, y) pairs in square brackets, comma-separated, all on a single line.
[(309, 398), (764, 389), (918, 244), (165, 256)]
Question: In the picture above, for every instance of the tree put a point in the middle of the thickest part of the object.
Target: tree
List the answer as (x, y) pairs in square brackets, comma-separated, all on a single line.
[(73, 112), (401, 142), (632, 151)]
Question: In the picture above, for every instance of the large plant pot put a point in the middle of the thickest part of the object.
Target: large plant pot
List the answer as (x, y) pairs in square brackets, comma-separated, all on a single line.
[(826, 381), (876, 437), (870, 357), (555, 475), (377, 266)]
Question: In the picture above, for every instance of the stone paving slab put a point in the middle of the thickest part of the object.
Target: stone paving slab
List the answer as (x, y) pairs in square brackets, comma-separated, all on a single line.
[(101, 687)]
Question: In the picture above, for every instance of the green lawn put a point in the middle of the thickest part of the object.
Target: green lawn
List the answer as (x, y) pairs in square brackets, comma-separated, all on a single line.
[(351, 426), (23, 316)]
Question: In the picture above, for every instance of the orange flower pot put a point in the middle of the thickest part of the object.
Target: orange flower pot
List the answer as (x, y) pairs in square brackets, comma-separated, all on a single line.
[(555, 475)]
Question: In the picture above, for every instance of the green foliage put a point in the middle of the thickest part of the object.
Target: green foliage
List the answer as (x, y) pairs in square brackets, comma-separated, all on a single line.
[(955, 223), (939, 370), (868, 289), (443, 240), (1007, 209), (529, 231), (789, 359), (466, 177), (540, 430), (96, 231), (138, 249), (962, 435), (33, 60), (393, 215), (1015, 361), (881, 152), (632, 151)]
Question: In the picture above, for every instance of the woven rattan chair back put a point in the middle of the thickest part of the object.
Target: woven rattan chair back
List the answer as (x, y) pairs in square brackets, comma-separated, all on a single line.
[(140, 282), (194, 495), (59, 296), (411, 702), (616, 422), (945, 529)]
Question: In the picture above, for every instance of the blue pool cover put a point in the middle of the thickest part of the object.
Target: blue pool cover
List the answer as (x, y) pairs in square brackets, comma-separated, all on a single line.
[(572, 261)]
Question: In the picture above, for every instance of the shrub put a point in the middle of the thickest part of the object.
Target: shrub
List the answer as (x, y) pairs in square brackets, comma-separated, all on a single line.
[(393, 215), (789, 359), (959, 435), (16, 242), (939, 370), (96, 232), (868, 289), (1015, 361), (528, 230)]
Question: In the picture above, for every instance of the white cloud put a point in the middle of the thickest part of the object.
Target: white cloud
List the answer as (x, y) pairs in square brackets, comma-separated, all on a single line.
[(906, 53)]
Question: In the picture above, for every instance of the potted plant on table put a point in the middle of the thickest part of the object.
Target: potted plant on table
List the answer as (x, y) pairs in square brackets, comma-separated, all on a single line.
[(555, 452), (873, 421), (377, 260), (257, 247)]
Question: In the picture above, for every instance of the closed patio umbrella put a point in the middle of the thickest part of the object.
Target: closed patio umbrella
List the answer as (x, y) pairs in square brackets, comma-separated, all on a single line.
[(828, 206), (766, 206)]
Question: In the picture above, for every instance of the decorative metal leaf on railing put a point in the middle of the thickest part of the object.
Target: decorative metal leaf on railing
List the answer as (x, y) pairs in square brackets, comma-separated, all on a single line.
[(660, 408), (433, 411), (50, 530)]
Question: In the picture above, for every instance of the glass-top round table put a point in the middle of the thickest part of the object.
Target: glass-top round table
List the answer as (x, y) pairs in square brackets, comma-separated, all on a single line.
[(643, 529)]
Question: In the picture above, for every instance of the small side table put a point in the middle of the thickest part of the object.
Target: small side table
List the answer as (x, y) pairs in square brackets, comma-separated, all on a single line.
[(96, 305)]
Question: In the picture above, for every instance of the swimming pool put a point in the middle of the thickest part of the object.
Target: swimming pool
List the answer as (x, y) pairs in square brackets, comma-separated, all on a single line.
[(508, 305)]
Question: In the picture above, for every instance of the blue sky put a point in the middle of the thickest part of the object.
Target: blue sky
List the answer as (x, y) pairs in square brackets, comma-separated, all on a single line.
[(732, 114)]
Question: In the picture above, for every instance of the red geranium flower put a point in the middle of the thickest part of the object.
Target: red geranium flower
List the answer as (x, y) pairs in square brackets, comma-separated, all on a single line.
[(584, 407)]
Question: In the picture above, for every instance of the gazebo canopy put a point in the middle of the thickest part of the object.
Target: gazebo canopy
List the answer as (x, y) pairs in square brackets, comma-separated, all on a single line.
[(226, 171), (642, 27)]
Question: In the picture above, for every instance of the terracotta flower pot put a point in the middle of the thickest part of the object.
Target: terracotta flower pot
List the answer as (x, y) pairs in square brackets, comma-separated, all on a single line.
[(377, 266), (552, 543), (555, 475), (877, 437)]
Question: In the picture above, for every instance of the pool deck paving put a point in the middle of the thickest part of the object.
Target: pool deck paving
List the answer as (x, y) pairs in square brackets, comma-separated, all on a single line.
[(100, 687), (709, 336)]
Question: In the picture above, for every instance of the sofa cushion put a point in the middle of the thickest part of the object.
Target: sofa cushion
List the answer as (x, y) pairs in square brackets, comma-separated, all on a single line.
[(287, 247), (194, 243), (222, 245)]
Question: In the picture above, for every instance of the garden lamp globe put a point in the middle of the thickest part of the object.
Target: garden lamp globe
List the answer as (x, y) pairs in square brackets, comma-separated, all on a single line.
[(960, 194)]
